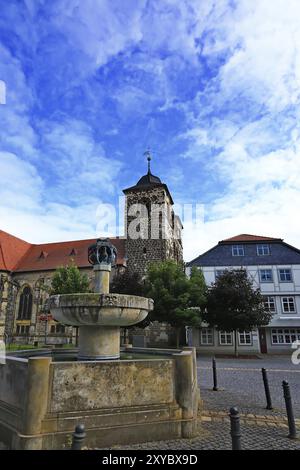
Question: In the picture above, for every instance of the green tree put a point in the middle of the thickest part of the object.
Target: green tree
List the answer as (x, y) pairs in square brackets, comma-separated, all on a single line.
[(69, 280), (129, 283), (177, 298), (234, 304)]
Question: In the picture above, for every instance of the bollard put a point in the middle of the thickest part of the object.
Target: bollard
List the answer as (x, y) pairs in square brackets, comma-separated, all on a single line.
[(235, 428), (214, 366), (289, 410), (267, 389), (78, 437)]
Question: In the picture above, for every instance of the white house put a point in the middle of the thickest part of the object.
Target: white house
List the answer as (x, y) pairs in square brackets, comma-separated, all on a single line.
[(274, 267)]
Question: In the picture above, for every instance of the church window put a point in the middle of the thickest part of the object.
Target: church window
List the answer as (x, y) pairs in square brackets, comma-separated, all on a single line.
[(25, 305)]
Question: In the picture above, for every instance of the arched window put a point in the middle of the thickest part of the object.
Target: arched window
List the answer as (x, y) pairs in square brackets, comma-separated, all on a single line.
[(25, 305)]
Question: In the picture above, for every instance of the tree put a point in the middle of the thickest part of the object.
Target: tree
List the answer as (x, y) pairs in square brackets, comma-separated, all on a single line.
[(129, 283), (177, 298), (69, 280), (234, 304)]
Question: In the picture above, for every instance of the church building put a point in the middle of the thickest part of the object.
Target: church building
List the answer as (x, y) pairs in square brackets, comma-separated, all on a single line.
[(152, 234)]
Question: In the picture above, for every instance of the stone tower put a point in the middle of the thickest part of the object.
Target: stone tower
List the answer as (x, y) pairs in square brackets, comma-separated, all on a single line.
[(153, 231)]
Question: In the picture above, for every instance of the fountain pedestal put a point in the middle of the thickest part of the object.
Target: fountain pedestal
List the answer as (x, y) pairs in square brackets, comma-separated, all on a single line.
[(98, 343)]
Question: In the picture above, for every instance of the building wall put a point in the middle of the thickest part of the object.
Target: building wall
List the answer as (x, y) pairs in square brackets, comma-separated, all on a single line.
[(289, 323), (216, 346)]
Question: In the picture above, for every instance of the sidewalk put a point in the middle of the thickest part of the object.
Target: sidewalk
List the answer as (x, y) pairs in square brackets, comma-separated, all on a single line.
[(214, 434)]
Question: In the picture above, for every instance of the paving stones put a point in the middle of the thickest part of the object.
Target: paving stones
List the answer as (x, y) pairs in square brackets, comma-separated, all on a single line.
[(215, 435)]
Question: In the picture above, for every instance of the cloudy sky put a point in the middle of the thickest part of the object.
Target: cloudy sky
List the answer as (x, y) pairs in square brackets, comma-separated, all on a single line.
[(212, 86)]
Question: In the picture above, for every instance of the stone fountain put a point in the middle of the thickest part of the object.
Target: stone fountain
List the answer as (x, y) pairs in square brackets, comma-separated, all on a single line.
[(150, 394), (100, 315)]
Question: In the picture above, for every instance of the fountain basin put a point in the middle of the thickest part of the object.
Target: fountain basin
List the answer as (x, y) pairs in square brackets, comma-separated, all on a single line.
[(43, 398), (99, 317), (99, 309)]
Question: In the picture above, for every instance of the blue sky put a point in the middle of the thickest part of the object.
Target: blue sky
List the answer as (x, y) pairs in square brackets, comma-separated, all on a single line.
[(212, 86)]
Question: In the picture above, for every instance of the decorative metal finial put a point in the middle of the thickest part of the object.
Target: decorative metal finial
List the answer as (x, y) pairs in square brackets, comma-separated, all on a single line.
[(148, 154), (103, 251)]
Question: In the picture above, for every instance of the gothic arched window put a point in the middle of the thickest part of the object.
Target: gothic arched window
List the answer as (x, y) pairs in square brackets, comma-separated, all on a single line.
[(25, 305)]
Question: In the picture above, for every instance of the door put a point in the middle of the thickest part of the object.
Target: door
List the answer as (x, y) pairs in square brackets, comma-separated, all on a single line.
[(263, 340)]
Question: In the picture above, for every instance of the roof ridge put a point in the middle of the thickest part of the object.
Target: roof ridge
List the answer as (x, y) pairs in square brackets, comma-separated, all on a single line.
[(251, 236)]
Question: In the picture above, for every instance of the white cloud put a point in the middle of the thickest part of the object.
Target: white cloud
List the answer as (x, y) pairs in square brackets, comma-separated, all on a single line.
[(253, 124)]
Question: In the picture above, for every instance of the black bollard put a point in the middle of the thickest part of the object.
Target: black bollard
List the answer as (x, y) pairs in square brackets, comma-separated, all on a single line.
[(267, 389), (78, 437), (289, 410), (214, 366), (235, 428)]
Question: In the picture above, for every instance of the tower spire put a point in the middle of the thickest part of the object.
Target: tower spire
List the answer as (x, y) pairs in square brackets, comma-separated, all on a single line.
[(148, 155)]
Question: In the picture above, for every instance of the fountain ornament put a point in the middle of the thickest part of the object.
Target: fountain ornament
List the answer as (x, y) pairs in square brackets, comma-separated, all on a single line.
[(100, 315)]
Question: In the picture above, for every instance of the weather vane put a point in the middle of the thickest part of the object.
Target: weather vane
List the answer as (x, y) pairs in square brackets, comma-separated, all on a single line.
[(148, 155)]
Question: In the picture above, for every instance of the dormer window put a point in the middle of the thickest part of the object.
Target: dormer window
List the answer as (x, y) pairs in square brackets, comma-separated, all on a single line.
[(73, 252), (238, 250), (43, 254), (263, 250)]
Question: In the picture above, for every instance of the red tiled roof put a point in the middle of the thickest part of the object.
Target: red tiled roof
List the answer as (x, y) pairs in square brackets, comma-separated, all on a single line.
[(12, 249), (244, 237), (21, 256)]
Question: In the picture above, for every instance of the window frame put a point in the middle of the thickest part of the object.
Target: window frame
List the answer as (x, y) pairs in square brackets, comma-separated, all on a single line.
[(245, 334), (237, 247), (219, 272), (25, 304), (266, 281), (282, 304), (284, 332), (279, 274), (226, 333), (267, 297), (207, 334), (263, 245)]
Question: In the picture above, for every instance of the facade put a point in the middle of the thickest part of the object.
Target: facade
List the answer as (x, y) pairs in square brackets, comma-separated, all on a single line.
[(274, 267), (26, 269)]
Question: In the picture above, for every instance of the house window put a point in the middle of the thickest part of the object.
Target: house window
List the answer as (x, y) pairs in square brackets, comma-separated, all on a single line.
[(263, 250), (270, 304), (288, 305), (265, 275), (245, 337), (238, 250), (206, 336), (285, 275), (285, 336), (219, 272), (225, 338), (25, 304)]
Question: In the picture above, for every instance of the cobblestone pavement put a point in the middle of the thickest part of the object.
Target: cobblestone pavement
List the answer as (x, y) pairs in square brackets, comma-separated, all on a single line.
[(215, 435), (240, 384)]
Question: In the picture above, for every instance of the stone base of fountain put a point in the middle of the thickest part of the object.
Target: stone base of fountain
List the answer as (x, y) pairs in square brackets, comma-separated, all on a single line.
[(42, 399)]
